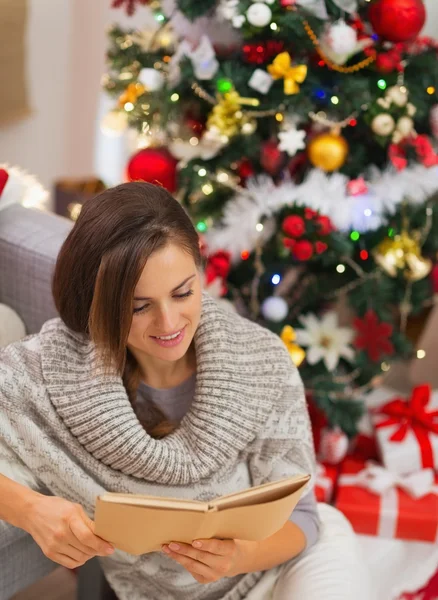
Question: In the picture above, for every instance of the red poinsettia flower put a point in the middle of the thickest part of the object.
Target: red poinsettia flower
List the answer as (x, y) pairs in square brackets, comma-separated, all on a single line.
[(372, 336)]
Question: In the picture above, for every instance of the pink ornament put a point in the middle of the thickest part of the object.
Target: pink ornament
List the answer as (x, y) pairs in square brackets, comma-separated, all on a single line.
[(287, 3), (357, 187), (333, 446)]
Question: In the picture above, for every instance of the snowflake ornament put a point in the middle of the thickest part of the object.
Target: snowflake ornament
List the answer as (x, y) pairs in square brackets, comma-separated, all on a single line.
[(292, 140)]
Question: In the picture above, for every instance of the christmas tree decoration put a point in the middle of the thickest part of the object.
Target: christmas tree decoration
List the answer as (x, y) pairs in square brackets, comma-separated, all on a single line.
[(259, 14), (271, 157), (328, 151), (130, 96), (402, 253), (154, 165), (114, 123), (261, 52), (340, 42), (373, 336), (294, 226), (227, 117), (383, 124), (397, 20), (292, 140), (333, 446), (302, 250), (325, 340), (275, 309), (288, 336), (151, 79), (282, 68), (260, 81)]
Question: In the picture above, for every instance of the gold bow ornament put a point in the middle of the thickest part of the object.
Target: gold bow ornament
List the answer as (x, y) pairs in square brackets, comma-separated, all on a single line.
[(282, 68)]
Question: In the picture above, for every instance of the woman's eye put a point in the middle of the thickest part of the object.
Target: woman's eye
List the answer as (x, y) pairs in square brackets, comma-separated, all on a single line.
[(186, 295), (177, 296), (141, 309)]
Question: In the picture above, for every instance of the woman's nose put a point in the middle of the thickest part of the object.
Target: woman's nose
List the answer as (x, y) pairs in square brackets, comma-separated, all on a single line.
[(166, 321)]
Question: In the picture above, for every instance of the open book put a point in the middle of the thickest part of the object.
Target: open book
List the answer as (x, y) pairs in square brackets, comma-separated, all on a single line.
[(139, 524)]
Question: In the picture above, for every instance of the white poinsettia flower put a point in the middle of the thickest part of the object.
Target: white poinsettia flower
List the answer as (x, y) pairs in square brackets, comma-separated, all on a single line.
[(325, 340)]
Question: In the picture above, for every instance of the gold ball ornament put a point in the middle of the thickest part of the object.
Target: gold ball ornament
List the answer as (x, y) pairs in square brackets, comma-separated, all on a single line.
[(402, 253), (328, 151)]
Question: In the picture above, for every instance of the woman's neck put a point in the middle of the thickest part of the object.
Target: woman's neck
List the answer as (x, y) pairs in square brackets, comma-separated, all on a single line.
[(161, 374)]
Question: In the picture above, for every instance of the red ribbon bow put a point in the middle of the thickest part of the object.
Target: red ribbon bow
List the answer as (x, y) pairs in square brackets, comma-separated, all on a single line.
[(412, 416)]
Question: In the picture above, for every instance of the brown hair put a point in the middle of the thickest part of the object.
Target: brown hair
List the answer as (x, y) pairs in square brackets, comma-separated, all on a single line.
[(101, 261)]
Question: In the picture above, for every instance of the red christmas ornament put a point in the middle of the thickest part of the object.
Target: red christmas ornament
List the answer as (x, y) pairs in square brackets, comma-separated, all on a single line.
[(303, 250), (154, 165), (309, 213), (387, 62), (218, 265), (324, 225), (245, 169), (289, 243), (372, 336), (397, 20), (320, 247), (194, 125), (271, 157), (261, 52), (293, 226)]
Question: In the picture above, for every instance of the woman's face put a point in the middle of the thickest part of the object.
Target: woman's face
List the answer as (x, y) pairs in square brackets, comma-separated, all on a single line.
[(167, 305)]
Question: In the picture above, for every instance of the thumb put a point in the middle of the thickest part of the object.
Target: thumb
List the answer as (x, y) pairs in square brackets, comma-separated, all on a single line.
[(88, 522)]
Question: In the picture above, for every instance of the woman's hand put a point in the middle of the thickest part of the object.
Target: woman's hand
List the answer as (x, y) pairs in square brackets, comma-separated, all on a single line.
[(210, 560), (63, 531)]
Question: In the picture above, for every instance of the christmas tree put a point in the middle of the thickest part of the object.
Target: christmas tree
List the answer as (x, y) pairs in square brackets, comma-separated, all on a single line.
[(300, 136)]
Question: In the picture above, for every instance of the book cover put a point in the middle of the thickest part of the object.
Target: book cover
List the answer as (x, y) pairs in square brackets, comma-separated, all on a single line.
[(139, 524)]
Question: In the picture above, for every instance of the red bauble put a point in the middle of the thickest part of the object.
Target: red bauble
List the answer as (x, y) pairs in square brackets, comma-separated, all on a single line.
[(294, 226), (260, 52), (218, 265), (324, 225), (245, 169), (397, 20), (303, 250), (4, 176), (271, 157), (154, 165)]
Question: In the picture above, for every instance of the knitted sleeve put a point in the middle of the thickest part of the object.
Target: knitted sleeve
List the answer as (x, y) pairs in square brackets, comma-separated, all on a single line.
[(284, 448)]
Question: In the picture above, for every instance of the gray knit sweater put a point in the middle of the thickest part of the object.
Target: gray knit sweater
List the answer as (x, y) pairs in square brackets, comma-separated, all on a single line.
[(75, 430)]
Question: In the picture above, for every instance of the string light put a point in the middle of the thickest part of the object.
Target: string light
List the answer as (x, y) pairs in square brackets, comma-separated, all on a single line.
[(202, 172), (368, 212), (364, 254), (276, 279), (244, 255), (193, 141), (159, 17), (381, 84), (207, 189), (174, 97), (353, 122), (335, 100), (128, 106), (224, 85), (201, 226), (385, 367), (430, 90), (340, 268), (279, 117), (421, 353), (259, 227), (354, 235), (274, 26), (390, 232)]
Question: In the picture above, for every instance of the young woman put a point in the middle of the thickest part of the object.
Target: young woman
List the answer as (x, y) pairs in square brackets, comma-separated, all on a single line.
[(145, 385)]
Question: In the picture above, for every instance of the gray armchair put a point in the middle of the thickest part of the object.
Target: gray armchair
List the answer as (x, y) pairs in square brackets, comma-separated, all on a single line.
[(29, 243)]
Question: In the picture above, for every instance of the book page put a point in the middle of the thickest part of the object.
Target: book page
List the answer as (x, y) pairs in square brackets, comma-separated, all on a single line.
[(267, 492), (155, 502)]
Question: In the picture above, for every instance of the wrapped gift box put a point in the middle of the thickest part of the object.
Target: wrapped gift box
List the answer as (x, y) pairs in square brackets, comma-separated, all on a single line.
[(406, 428), (325, 481), (378, 502)]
